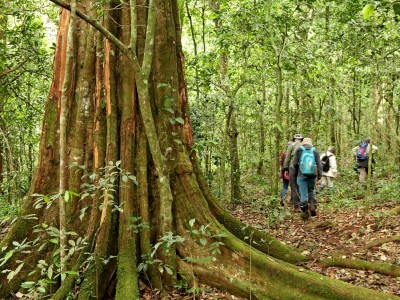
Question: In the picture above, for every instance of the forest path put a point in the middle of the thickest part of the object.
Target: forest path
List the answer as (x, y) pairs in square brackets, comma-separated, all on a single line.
[(341, 226)]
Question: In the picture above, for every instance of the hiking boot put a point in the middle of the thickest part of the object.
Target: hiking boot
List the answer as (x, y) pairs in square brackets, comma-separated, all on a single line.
[(282, 202), (297, 209), (313, 206), (304, 215)]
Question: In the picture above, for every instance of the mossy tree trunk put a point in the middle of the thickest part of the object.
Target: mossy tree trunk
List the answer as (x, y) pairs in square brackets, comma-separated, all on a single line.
[(120, 110)]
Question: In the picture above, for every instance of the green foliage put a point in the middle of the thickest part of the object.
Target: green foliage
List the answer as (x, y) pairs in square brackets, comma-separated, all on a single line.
[(25, 74), (102, 184), (137, 224)]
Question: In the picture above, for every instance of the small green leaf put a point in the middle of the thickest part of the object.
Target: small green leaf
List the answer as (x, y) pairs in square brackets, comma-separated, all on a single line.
[(27, 284), (191, 222), (179, 142), (203, 241), (72, 273), (368, 11), (161, 269), (50, 272), (180, 120), (66, 196), (169, 110), (169, 271), (160, 85), (74, 194), (9, 254)]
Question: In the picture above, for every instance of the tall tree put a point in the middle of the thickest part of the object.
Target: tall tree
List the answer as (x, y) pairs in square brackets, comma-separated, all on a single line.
[(126, 87)]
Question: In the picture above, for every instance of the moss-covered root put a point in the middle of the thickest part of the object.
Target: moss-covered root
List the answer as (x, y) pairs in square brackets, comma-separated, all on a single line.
[(67, 285), (396, 210), (378, 242), (273, 279), (127, 277), (260, 240), (359, 264)]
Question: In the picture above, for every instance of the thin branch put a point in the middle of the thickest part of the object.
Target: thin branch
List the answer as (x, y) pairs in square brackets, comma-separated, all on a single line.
[(13, 69)]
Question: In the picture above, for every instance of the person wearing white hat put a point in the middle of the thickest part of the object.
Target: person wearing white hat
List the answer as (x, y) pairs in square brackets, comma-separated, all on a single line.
[(329, 170)]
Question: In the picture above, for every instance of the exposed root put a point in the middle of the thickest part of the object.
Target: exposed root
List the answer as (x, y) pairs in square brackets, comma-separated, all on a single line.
[(396, 210), (359, 264), (378, 242), (244, 271), (259, 240)]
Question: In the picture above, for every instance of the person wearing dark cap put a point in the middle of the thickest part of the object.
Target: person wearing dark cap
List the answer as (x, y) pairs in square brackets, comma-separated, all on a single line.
[(289, 169), (283, 175), (307, 163)]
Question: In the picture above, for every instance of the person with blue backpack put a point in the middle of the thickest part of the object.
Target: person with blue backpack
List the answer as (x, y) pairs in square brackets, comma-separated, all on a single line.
[(307, 162), (362, 154)]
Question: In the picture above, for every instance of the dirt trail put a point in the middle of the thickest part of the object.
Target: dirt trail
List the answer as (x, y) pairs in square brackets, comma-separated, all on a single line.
[(346, 230)]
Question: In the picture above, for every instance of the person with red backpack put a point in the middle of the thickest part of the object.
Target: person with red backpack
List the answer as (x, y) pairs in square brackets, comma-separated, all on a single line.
[(289, 169), (329, 170), (283, 175), (307, 163), (362, 154)]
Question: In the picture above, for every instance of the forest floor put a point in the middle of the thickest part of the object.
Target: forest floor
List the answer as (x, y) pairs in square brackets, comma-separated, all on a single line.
[(343, 227), (346, 230)]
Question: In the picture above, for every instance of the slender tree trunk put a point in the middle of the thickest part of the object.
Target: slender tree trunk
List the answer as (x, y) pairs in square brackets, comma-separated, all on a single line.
[(234, 156), (1, 167), (66, 87), (278, 120), (262, 129), (192, 32)]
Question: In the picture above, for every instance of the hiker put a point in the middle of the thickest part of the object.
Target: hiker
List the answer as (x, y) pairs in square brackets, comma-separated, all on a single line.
[(361, 153), (283, 175), (289, 169), (307, 162), (329, 170)]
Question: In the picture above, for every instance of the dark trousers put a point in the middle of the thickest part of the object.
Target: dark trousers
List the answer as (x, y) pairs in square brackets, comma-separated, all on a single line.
[(294, 188)]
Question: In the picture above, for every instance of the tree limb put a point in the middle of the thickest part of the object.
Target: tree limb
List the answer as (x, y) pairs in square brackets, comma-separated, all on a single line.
[(13, 69)]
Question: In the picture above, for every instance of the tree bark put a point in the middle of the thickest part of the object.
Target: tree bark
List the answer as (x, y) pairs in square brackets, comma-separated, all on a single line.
[(117, 101)]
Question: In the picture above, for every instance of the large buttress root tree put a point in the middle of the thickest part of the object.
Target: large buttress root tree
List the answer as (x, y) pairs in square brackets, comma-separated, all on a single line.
[(127, 102)]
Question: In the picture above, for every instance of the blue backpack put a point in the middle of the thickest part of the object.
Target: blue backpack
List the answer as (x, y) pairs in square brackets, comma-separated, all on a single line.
[(362, 151), (307, 163)]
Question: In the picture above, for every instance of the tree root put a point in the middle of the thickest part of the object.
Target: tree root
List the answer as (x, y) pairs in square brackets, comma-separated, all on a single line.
[(246, 272), (378, 242), (359, 264), (258, 239), (396, 210)]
